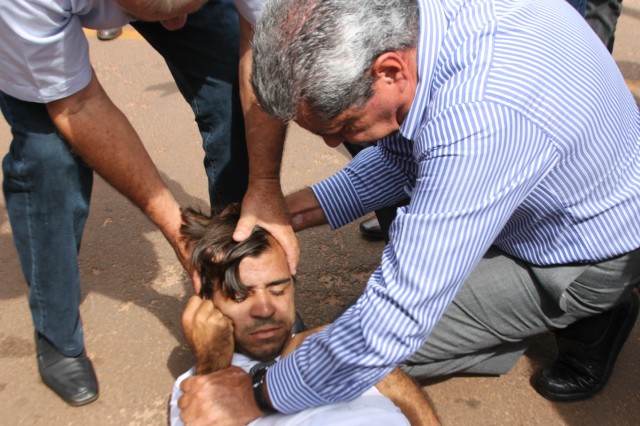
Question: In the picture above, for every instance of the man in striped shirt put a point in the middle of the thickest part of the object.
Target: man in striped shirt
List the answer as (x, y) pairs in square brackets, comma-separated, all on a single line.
[(511, 128)]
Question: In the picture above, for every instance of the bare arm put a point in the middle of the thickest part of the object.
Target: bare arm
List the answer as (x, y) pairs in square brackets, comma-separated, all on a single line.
[(103, 137), (263, 203), (397, 386), (407, 396), (305, 209)]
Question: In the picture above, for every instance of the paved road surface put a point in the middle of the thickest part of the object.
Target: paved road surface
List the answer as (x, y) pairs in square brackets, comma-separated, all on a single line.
[(134, 288)]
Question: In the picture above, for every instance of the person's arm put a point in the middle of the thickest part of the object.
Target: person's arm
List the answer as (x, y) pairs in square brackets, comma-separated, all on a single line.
[(409, 398), (397, 386), (263, 204), (305, 209), (103, 137)]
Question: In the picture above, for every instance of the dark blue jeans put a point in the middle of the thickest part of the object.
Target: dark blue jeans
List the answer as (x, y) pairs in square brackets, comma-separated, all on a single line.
[(579, 5), (47, 188)]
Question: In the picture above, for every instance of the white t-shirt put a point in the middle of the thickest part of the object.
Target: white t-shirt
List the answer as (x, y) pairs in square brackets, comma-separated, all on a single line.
[(44, 54), (370, 409), (250, 9)]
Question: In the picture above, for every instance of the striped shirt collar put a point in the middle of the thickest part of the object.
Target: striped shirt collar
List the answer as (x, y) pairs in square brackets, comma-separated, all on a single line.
[(432, 16)]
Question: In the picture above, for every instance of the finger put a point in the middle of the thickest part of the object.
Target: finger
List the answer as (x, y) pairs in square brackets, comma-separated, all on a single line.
[(190, 311), (205, 309), (196, 280), (186, 386), (244, 228), (292, 252)]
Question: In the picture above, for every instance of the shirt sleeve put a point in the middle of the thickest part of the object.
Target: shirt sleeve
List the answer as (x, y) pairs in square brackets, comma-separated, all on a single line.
[(460, 203), (44, 52), (379, 176)]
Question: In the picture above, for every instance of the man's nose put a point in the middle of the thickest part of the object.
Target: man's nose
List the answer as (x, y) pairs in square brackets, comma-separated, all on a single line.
[(333, 141), (263, 306)]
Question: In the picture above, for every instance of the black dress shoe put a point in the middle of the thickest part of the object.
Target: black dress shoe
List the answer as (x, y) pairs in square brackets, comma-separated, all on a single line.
[(582, 370), (370, 229), (72, 378)]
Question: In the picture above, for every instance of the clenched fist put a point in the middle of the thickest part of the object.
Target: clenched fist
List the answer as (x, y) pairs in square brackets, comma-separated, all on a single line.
[(209, 333)]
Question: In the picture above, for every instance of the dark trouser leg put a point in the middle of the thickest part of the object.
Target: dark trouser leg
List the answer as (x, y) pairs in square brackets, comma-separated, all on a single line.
[(602, 16), (47, 190), (203, 59)]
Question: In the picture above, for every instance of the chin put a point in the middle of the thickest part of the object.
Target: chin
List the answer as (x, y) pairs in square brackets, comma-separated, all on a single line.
[(265, 352)]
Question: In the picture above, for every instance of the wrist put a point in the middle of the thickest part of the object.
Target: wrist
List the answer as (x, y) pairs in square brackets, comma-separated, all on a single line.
[(260, 391)]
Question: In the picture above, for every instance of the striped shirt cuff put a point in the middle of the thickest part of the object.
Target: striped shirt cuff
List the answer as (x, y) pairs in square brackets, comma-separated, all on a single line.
[(287, 390), (339, 200)]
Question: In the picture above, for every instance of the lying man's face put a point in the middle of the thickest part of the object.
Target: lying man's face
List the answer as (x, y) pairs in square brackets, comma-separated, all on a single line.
[(263, 318)]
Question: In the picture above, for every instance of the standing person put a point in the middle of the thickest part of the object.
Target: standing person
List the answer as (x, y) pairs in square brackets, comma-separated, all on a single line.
[(509, 125), (65, 127)]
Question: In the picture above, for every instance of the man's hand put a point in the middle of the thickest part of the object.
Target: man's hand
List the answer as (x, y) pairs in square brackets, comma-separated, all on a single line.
[(224, 397), (305, 210), (264, 205), (209, 333)]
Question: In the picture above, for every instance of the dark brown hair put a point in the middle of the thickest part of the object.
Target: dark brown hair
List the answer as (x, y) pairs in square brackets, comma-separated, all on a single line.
[(215, 254)]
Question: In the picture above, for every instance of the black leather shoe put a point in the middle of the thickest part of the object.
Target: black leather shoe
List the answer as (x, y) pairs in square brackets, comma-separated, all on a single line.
[(72, 378), (370, 229), (582, 370)]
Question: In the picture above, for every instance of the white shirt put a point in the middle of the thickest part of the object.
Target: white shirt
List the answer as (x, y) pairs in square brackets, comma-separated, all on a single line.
[(370, 409), (44, 52)]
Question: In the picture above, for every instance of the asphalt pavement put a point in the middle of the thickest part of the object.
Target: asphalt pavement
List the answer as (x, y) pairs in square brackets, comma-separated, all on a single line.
[(134, 288)]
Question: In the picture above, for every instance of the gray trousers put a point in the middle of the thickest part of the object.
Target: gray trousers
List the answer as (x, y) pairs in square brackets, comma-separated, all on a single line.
[(505, 303)]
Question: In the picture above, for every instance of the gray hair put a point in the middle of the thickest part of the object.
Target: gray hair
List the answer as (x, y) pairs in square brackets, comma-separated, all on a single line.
[(318, 52), (215, 254)]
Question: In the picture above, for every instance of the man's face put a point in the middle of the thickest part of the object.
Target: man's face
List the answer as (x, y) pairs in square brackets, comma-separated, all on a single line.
[(375, 120), (263, 318)]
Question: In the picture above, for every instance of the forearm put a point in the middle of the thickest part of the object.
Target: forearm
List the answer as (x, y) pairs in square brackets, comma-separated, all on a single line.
[(103, 137), (100, 133), (408, 396), (263, 203), (265, 135)]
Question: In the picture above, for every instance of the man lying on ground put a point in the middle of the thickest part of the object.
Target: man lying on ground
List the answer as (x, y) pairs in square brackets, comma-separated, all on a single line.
[(246, 316)]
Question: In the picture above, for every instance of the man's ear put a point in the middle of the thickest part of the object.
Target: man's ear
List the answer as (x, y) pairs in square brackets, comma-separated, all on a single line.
[(391, 67)]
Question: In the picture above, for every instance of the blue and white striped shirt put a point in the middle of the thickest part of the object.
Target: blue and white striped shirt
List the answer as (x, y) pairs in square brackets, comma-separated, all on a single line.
[(522, 134)]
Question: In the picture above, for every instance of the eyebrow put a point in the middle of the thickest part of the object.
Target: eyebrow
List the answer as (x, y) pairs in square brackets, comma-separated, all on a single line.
[(278, 282), (271, 283)]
